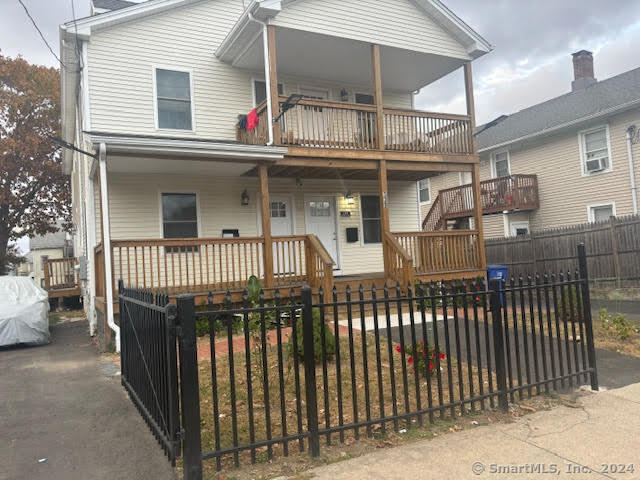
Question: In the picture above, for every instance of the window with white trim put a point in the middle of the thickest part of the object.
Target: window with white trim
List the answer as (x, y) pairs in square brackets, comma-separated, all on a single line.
[(179, 215), (424, 190), (500, 164), (594, 150), (601, 213), (173, 99), (371, 219)]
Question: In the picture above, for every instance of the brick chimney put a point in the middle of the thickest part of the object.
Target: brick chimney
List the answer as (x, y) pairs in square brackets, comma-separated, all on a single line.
[(582, 70)]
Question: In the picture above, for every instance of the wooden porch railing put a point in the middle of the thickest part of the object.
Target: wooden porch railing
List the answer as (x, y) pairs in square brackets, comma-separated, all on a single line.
[(343, 125), (60, 273), (319, 265), (216, 264), (446, 251), (398, 263), (415, 131), (513, 192), (258, 136)]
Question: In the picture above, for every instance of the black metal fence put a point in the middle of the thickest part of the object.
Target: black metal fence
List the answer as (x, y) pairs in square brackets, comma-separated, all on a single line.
[(294, 372), (149, 362)]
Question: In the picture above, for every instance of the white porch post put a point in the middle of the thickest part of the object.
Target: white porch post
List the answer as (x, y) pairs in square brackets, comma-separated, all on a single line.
[(107, 244)]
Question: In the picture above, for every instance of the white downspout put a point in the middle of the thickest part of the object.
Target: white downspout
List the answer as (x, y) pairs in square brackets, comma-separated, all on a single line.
[(632, 173), (107, 244), (267, 74)]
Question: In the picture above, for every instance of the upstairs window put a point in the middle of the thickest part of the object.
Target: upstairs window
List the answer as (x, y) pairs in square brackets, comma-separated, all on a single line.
[(173, 99), (371, 219), (594, 149), (500, 165), (424, 190), (179, 215), (260, 91)]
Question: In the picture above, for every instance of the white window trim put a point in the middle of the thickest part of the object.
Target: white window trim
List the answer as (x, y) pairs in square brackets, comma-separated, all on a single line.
[(583, 159), (493, 162), (519, 224), (155, 68), (591, 206), (429, 187), (185, 192), (253, 89)]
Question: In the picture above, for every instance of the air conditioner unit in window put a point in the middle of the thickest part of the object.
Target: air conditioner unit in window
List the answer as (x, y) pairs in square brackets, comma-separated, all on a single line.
[(596, 165)]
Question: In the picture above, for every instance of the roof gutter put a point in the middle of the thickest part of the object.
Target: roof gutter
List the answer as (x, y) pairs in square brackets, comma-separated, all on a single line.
[(603, 113)]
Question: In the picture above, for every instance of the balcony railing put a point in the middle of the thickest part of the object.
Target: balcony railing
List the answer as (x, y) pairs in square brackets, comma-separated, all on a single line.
[(513, 192), (60, 274), (342, 125)]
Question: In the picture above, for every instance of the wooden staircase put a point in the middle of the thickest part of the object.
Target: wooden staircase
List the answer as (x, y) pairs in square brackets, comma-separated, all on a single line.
[(453, 205)]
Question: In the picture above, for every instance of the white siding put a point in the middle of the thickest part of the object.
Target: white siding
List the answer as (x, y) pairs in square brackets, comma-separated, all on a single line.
[(134, 202), (122, 59), (395, 23), (564, 192)]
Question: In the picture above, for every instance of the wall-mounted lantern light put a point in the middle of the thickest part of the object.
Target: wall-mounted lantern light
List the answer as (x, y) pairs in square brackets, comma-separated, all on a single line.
[(244, 198), (349, 197)]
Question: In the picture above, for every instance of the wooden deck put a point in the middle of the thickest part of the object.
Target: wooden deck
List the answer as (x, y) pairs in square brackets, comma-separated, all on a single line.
[(61, 278), (511, 193)]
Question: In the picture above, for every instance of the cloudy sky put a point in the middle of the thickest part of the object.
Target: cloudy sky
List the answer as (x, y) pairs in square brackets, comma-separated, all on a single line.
[(530, 63)]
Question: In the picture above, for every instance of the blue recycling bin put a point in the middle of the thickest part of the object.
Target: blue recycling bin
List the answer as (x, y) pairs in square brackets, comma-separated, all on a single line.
[(501, 273)]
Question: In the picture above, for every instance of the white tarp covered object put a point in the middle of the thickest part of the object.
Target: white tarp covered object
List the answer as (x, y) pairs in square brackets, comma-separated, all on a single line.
[(24, 312)]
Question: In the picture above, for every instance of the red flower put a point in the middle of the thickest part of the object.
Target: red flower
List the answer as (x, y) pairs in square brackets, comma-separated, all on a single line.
[(430, 366), (442, 356), (398, 349), (421, 342), (410, 360)]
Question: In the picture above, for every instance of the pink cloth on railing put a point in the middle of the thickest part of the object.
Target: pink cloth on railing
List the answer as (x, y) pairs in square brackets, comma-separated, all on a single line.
[(252, 120)]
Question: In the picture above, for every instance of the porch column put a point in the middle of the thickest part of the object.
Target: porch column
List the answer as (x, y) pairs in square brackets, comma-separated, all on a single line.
[(272, 82), (265, 210), (477, 195), (384, 209), (377, 94)]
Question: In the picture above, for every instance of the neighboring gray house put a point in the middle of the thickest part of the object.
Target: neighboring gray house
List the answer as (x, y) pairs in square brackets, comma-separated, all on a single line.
[(583, 148), (49, 246)]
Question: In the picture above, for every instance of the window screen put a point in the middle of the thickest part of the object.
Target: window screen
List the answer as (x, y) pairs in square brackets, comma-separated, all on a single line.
[(501, 163), (174, 99), (424, 189), (371, 221), (602, 213), (179, 215)]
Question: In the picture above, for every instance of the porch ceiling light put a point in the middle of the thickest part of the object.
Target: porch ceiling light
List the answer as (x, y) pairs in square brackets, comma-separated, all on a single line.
[(244, 198), (288, 104)]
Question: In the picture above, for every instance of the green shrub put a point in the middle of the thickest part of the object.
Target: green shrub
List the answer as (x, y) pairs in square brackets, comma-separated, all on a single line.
[(319, 327), (615, 325)]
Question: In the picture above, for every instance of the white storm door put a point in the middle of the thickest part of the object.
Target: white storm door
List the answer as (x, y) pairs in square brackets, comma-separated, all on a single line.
[(320, 219), (281, 224)]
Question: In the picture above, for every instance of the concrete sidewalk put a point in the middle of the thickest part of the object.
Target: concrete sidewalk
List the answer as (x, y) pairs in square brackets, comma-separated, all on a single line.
[(584, 440), (64, 415)]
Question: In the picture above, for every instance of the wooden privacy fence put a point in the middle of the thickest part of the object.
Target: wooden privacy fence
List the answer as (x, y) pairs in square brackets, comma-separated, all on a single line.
[(613, 249)]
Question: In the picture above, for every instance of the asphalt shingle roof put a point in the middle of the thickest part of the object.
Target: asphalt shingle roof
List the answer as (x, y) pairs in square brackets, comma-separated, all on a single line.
[(112, 4), (608, 94)]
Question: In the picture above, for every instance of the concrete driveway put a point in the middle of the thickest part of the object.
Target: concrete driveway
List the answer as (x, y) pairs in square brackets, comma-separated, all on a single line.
[(61, 403)]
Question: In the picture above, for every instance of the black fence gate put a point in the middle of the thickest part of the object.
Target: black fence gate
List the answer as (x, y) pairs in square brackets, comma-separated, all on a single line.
[(149, 362), (297, 371)]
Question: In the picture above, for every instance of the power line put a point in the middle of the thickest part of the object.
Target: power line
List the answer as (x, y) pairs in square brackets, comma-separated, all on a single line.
[(40, 32)]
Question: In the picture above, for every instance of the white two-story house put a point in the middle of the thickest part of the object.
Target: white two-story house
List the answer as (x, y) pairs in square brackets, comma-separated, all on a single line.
[(273, 138)]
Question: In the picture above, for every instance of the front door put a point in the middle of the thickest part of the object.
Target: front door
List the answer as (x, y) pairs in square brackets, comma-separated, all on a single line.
[(281, 224), (320, 219)]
